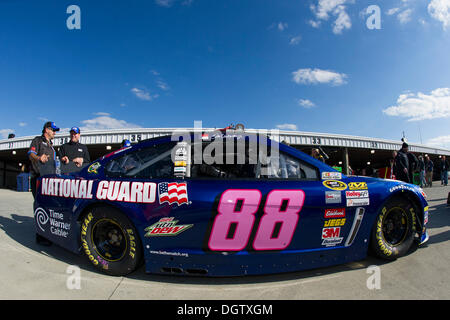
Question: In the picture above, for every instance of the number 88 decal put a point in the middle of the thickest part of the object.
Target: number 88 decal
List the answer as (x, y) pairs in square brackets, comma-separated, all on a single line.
[(235, 220)]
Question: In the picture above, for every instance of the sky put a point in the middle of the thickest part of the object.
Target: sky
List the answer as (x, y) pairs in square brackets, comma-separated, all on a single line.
[(373, 68)]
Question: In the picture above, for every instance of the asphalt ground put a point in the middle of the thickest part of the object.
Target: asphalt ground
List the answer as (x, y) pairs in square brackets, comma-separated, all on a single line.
[(31, 271)]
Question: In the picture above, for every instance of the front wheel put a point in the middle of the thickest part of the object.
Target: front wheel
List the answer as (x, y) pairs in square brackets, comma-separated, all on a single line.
[(394, 229), (110, 241)]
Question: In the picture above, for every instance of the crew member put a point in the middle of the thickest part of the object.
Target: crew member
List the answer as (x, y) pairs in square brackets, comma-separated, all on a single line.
[(41, 153), (402, 163), (74, 151)]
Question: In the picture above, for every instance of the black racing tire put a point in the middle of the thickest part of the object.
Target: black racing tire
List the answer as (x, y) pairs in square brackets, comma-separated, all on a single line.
[(110, 241), (394, 230)]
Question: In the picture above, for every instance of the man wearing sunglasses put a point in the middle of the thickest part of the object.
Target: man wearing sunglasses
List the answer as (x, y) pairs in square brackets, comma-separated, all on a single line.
[(74, 151)]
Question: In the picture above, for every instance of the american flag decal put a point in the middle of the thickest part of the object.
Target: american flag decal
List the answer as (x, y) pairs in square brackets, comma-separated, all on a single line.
[(172, 193)]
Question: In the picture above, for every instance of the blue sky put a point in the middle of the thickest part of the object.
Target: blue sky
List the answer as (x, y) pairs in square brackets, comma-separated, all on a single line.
[(309, 65)]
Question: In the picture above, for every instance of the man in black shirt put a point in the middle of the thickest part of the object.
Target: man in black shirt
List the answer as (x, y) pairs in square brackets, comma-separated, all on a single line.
[(42, 157), (42, 154), (74, 151), (402, 163)]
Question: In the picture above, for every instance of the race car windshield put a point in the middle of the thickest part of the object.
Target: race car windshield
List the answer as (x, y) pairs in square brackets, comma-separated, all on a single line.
[(151, 162)]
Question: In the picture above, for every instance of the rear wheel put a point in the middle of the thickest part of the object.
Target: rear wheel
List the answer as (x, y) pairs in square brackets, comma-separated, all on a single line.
[(110, 241), (394, 229)]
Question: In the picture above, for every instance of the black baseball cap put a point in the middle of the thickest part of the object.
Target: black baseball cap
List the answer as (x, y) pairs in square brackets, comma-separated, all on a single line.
[(50, 124)]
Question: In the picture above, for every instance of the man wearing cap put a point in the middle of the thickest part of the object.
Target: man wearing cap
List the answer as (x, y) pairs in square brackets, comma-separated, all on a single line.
[(41, 152), (42, 155), (74, 151)]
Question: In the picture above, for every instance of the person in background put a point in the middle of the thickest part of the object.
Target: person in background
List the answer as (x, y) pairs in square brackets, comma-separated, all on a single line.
[(40, 152), (315, 153), (429, 171), (413, 165), (421, 168), (125, 143), (443, 165), (74, 151), (402, 164)]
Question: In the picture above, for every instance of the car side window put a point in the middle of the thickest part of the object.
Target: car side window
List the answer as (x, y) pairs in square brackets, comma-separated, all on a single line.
[(226, 165), (287, 167), (147, 163)]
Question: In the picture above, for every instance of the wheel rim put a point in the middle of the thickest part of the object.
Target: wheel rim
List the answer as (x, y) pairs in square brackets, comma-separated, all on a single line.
[(109, 240), (395, 226)]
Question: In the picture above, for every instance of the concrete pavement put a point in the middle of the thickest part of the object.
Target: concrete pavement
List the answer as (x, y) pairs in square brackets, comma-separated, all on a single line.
[(30, 271)]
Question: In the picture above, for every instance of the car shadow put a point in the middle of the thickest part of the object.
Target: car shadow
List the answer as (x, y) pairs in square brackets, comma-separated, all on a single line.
[(22, 230)]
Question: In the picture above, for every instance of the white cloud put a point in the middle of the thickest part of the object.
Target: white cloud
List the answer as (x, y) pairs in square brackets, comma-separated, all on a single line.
[(392, 11), (22, 124), (440, 10), (318, 76), (104, 122), (162, 85), (314, 24), (143, 94), (404, 16), (164, 3), (342, 22), (440, 142), (295, 40), (282, 26), (326, 8), (102, 114), (421, 106), (5, 132), (305, 103), (287, 126)]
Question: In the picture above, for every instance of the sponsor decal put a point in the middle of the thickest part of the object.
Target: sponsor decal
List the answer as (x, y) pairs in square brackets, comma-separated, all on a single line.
[(170, 253), (180, 164), (333, 197), (93, 168), (331, 236), (331, 175), (335, 185), (67, 188), (166, 227), (357, 186), (334, 223), (172, 193), (334, 213), (357, 202), (357, 194), (402, 187), (425, 216), (127, 191), (359, 214), (53, 222)]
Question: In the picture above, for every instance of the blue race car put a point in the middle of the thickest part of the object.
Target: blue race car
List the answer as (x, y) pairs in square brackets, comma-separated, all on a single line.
[(198, 206)]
